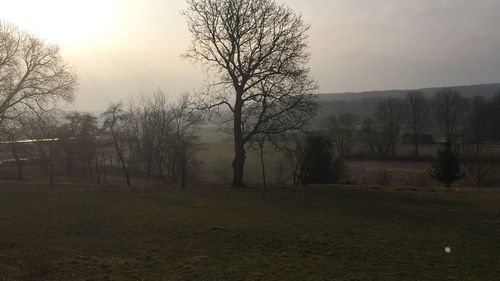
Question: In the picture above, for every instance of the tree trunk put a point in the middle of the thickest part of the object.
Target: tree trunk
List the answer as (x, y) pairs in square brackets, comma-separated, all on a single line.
[(51, 165), (173, 169), (183, 166), (69, 161), (239, 164), (261, 146), (97, 169), (18, 162), (89, 165), (239, 145), (84, 165), (103, 167), (416, 142), (159, 176), (148, 170), (121, 158)]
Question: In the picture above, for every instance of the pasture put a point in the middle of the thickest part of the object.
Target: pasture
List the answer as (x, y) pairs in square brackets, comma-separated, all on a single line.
[(85, 232)]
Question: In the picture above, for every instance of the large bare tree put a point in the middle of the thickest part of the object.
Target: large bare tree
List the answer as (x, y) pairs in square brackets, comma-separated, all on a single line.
[(257, 50), (33, 75)]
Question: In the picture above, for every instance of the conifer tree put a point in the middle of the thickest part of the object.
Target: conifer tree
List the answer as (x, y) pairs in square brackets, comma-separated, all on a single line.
[(319, 165), (446, 168)]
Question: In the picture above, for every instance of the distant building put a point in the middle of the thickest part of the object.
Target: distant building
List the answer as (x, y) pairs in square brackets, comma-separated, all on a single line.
[(425, 139)]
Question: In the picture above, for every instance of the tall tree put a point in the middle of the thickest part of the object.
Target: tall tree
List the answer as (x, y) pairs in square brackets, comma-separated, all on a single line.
[(449, 109), (33, 75), (417, 115), (258, 51)]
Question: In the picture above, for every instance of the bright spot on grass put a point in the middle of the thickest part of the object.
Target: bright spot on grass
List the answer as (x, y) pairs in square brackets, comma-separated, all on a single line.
[(447, 250)]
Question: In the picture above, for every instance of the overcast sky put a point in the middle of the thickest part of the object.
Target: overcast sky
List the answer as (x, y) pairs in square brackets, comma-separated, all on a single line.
[(121, 48)]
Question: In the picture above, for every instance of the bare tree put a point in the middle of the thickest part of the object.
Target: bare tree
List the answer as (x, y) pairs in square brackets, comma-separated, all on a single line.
[(258, 143), (373, 137), (258, 50), (494, 113), (449, 109), (164, 131), (11, 131), (478, 123), (33, 76), (417, 115), (78, 139), (343, 128), (389, 113), (185, 121), (41, 129), (113, 123), (149, 124), (292, 145)]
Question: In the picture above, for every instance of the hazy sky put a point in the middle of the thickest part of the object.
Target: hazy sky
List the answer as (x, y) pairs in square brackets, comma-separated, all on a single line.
[(121, 48)]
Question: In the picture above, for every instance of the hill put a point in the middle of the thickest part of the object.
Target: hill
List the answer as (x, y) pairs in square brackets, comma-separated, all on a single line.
[(363, 103), (468, 91)]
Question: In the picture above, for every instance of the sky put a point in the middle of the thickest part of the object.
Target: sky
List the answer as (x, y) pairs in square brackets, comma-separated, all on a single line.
[(123, 48)]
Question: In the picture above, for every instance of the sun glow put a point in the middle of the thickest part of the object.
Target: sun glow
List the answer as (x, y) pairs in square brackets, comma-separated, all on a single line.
[(70, 23)]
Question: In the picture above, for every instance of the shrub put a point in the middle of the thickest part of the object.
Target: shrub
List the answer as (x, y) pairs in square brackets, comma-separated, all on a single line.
[(481, 174)]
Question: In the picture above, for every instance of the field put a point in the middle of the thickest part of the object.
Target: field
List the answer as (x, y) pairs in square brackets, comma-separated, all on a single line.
[(81, 232), (403, 172)]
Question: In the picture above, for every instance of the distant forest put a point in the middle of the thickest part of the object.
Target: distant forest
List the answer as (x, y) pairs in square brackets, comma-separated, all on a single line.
[(363, 104)]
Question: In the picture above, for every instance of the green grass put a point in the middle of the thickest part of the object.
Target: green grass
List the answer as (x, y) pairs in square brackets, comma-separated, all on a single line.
[(320, 233)]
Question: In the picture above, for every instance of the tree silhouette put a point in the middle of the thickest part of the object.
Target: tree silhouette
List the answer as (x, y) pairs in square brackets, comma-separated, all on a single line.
[(446, 168), (319, 165), (257, 50), (417, 115), (449, 108), (33, 75)]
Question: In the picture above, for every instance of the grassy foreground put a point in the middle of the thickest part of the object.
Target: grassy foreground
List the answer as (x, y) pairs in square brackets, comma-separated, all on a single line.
[(323, 233)]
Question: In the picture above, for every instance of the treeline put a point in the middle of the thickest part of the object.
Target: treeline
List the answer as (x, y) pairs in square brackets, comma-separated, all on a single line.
[(447, 116), (149, 138)]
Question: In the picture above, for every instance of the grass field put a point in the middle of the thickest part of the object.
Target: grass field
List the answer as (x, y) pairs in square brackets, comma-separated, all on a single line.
[(319, 233)]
